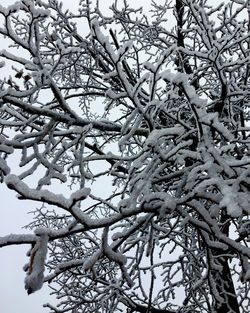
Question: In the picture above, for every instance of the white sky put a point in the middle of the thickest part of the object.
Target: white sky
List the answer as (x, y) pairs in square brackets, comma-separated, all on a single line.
[(13, 297)]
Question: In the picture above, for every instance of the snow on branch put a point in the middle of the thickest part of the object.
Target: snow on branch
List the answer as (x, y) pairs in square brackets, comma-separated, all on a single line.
[(35, 268), (13, 182), (116, 257), (153, 112), (5, 150), (14, 239)]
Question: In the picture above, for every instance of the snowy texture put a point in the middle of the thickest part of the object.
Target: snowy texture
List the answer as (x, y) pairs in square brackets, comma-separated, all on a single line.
[(229, 201)]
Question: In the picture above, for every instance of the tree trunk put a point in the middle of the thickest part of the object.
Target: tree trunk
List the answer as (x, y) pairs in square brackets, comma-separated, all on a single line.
[(223, 278), (225, 287)]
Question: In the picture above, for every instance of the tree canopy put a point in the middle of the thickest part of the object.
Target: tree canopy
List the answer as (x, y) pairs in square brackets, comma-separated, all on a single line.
[(129, 132)]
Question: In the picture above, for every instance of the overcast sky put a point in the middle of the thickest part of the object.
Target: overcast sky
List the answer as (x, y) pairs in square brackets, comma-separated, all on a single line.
[(13, 297)]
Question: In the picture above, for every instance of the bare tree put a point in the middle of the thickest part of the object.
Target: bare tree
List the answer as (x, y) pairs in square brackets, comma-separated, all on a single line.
[(141, 121)]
